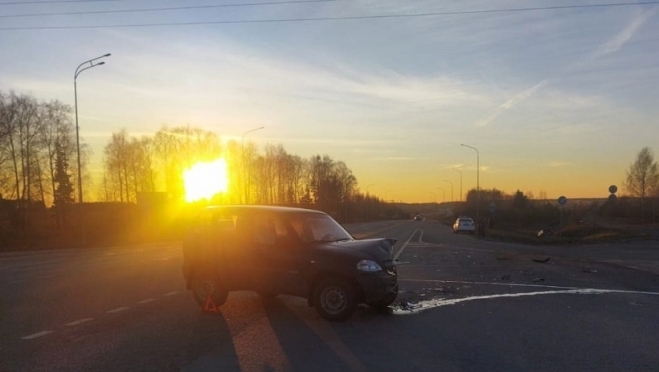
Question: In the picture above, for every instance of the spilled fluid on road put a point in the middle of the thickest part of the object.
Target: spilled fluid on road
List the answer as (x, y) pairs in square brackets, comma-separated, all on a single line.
[(406, 308)]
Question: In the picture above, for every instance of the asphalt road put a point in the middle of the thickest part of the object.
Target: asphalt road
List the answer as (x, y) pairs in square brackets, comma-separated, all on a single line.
[(465, 305)]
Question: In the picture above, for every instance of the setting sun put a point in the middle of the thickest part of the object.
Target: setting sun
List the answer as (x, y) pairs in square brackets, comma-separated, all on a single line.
[(205, 180)]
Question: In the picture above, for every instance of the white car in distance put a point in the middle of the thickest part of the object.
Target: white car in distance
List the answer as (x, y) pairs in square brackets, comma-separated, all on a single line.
[(464, 224)]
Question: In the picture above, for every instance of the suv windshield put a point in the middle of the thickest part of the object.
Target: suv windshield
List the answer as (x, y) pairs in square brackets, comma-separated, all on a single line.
[(315, 227)]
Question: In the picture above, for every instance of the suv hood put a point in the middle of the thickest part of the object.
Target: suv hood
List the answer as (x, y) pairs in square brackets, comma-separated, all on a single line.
[(379, 249)]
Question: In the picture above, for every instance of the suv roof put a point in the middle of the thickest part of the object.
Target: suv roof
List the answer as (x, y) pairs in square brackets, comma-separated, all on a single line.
[(267, 208)]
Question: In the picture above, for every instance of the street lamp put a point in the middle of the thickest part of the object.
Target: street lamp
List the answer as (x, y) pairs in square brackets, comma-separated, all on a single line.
[(457, 170), (478, 189), (246, 183), (451, 189), (82, 67)]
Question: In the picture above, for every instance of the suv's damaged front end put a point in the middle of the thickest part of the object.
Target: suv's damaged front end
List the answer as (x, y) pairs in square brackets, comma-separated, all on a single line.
[(372, 267)]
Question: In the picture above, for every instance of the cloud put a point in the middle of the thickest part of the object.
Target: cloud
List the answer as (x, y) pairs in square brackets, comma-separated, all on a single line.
[(512, 102), (609, 47), (625, 35)]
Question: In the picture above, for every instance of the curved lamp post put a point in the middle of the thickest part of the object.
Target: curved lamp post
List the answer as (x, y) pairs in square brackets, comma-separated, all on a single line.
[(443, 194), (82, 67), (478, 189), (457, 170), (451, 189)]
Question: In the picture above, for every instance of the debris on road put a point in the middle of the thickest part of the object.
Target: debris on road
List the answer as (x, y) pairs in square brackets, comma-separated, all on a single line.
[(407, 305), (589, 271), (541, 259), (538, 279)]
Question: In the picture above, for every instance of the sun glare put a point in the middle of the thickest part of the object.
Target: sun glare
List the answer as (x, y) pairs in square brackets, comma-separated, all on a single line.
[(205, 180)]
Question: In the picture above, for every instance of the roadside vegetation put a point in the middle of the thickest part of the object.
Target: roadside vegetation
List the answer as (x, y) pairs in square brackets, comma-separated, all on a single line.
[(518, 217)]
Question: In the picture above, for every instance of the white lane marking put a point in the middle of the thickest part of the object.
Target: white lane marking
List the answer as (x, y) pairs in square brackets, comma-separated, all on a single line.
[(35, 335), (119, 309), (529, 285), (407, 242), (146, 301), (439, 302), (170, 293), (483, 283), (80, 321)]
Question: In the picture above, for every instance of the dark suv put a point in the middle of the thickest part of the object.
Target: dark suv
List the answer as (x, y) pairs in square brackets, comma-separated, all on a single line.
[(292, 251)]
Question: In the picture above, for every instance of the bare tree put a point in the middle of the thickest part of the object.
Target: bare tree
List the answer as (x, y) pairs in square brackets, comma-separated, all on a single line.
[(56, 138), (117, 164), (178, 148), (642, 176), (8, 174)]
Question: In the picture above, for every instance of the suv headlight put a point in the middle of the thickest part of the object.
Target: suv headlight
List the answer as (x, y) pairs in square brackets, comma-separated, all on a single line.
[(368, 266)]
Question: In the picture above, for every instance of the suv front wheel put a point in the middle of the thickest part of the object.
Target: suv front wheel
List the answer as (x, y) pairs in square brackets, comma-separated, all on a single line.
[(335, 299)]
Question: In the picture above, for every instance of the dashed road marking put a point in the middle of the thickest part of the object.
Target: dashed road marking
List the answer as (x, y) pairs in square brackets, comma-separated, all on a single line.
[(146, 301), (79, 321), (119, 309), (406, 243), (170, 293), (35, 335)]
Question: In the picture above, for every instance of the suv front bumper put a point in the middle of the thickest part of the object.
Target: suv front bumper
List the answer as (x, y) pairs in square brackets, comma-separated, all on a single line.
[(378, 287)]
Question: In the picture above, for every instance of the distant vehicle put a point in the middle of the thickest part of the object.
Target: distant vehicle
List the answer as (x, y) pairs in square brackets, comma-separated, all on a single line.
[(545, 232), (419, 217), (464, 224), (292, 251)]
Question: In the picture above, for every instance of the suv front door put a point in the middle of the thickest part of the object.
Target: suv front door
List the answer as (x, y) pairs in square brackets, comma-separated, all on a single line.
[(277, 255)]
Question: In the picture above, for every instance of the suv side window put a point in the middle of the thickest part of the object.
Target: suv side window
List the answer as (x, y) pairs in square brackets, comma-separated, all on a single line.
[(268, 229), (224, 221)]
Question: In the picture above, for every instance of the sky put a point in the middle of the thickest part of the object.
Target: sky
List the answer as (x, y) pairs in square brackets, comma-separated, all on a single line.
[(558, 101)]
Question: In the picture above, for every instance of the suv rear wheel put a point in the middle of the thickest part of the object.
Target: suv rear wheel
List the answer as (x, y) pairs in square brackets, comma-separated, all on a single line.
[(205, 285), (335, 299)]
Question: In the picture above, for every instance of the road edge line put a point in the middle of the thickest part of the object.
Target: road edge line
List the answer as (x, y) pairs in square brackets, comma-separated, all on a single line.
[(405, 244)]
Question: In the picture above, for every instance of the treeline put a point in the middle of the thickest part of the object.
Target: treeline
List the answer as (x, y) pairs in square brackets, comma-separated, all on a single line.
[(156, 163), (37, 151), (495, 207)]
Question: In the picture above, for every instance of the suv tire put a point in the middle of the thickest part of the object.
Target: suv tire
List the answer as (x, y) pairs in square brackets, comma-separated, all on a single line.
[(335, 299), (204, 284)]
